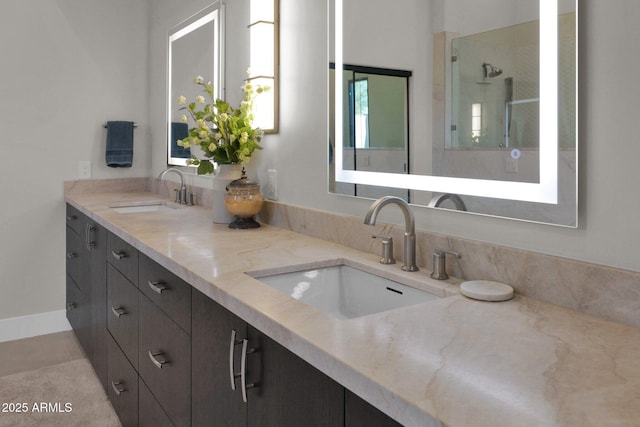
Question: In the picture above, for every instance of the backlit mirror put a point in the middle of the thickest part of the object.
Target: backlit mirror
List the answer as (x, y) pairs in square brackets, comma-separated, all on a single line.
[(491, 115), (194, 48)]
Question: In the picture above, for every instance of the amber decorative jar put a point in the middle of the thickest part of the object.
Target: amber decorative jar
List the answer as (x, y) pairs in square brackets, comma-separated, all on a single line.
[(243, 200)]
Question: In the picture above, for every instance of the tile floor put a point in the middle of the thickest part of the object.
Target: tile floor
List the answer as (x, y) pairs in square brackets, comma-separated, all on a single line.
[(37, 352)]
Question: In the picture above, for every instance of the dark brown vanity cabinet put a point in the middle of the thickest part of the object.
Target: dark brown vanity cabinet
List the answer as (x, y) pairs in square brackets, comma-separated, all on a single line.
[(168, 355), (359, 413), (241, 377), (150, 355), (86, 287)]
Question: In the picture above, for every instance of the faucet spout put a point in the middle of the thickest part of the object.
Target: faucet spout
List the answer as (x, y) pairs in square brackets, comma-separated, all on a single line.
[(181, 195), (409, 222)]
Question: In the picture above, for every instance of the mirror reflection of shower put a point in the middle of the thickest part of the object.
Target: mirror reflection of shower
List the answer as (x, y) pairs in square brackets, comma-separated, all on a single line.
[(491, 71)]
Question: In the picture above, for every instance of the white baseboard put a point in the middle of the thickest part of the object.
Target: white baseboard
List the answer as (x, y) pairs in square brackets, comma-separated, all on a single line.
[(33, 325)]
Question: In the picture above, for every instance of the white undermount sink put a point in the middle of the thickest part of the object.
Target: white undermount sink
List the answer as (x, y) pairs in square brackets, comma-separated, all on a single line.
[(343, 291), (141, 206)]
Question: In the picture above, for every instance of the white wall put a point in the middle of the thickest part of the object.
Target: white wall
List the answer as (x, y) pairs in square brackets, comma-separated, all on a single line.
[(609, 231), (67, 67)]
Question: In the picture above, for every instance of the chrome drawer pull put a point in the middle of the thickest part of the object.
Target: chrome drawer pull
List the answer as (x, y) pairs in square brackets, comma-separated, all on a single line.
[(90, 243), (71, 217), (72, 255), (117, 389), (119, 254), (118, 311), (71, 306), (243, 370), (158, 286), (159, 363), (232, 344)]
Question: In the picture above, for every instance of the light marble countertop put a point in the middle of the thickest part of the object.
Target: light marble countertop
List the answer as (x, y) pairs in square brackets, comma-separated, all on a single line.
[(451, 361)]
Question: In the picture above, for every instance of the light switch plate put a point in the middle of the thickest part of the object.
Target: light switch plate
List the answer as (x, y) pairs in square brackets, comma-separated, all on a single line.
[(84, 169), (271, 190)]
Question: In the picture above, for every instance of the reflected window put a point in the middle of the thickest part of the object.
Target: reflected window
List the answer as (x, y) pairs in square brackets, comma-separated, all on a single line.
[(359, 113)]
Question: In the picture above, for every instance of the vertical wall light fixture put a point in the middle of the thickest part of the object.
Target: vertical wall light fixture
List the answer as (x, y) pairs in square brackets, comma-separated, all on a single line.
[(265, 40)]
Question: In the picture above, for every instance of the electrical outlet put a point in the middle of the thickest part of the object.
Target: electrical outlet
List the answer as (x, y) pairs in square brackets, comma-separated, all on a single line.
[(84, 169), (271, 192)]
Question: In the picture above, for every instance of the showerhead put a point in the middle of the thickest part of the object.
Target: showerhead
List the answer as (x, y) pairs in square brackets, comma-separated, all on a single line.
[(490, 70)]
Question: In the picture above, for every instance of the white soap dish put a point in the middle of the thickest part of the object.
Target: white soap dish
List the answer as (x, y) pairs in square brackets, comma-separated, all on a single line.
[(486, 290)]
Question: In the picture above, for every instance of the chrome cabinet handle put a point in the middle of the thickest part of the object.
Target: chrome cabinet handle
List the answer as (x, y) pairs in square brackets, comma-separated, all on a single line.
[(118, 311), (72, 255), (90, 243), (71, 306), (243, 370), (119, 254), (72, 217), (117, 387), (159, 363), (232, 343), (158, 286)]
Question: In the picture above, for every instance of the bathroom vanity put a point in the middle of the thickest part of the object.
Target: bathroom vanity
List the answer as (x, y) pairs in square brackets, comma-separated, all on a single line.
[(179, 334)]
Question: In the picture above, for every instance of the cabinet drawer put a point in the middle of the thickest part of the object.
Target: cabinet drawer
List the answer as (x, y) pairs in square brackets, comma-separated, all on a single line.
[(78, 314), (166, 290), (122, 313), (123, 257), (165, 361), (75, 219), (73, 255), (122, 385), (151, 413)]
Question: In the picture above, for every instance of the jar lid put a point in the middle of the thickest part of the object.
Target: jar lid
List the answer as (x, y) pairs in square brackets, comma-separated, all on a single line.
[(243, 182)]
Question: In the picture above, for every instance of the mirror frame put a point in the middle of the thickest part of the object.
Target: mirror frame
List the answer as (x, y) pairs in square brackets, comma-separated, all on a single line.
[(546, 191), (212, 13)]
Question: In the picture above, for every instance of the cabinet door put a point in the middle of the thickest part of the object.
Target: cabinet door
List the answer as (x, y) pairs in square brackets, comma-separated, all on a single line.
[(74, 255), (360, 413), (123, 257), (166, 290), (213, 400), (78, 312), (164, 361), (123, 385), (150, 412), (289, 391), (97, 240), (123, 313)]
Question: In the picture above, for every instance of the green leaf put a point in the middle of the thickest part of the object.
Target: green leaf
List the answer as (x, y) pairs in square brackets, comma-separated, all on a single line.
[(205, 167)]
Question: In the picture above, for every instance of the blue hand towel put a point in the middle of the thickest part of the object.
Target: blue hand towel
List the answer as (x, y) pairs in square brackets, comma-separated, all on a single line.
[(119, 152), (179, 130)]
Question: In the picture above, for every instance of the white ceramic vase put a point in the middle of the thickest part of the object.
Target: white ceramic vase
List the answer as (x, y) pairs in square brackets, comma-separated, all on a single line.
[(223, 176)]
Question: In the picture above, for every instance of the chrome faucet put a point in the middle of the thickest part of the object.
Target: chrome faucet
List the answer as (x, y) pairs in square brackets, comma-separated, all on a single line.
[(181, 194), (409, 234)]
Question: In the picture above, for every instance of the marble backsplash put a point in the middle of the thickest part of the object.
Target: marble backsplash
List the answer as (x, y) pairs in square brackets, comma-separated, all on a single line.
[(602, 291)]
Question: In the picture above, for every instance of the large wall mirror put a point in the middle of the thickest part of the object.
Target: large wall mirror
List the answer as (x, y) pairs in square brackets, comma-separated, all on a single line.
[(195, 48), (489, 105)]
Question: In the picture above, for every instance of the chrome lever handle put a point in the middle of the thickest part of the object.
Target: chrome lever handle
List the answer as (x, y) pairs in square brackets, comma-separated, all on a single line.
[(71, 255), (118, 311), (71, 306), (117, 389), (157, 286), (232, 343), (159, 363), (119, 254), (243, 370)]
